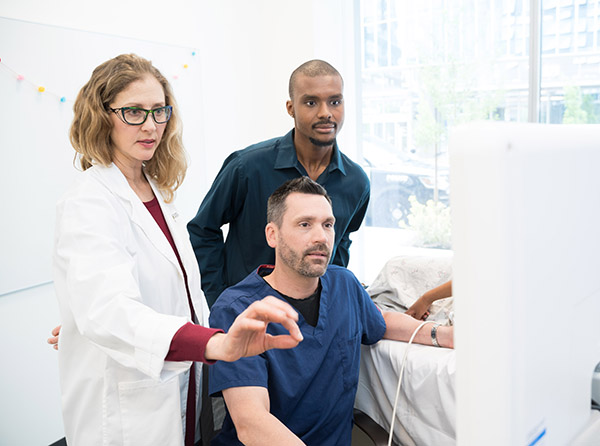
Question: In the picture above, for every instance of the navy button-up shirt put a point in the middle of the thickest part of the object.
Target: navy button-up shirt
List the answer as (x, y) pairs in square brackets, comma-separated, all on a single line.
[(239, 197)]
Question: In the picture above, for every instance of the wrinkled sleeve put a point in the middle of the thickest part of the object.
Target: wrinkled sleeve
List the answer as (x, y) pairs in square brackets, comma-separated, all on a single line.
[(342, 253), (96, 279), (372, 319), (219, 207), (189, 343), (249, 371)]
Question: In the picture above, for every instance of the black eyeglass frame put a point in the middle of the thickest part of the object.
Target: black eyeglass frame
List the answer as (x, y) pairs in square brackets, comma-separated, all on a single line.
[(167, 108)]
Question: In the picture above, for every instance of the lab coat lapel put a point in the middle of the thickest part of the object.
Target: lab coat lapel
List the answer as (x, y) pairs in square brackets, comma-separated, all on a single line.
[(186, 254), (173, 221), (114, 179)]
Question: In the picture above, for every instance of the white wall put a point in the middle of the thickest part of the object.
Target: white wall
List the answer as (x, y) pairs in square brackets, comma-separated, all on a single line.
[(30, 410), (246, 50), (250, 48)]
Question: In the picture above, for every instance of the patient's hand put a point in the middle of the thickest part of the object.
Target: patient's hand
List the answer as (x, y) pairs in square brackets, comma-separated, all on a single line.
[(53, 341), (420, 309)]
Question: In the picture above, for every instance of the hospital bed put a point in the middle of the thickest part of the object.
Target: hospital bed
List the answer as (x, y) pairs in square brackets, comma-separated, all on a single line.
[(426, 411)]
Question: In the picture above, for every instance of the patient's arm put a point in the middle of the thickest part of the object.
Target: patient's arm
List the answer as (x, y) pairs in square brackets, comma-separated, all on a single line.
[(420, 309), (400, 327), (249, 410)]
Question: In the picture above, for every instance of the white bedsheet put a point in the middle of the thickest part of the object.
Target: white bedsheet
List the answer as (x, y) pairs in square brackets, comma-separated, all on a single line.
[(426, 409)]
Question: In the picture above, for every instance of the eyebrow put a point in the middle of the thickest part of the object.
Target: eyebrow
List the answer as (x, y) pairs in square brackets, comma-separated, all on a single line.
[(138, 105), (313, 218), (307, 97)]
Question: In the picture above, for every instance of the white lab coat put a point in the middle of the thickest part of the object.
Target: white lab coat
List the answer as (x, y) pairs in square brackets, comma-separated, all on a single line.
[(122, 297)]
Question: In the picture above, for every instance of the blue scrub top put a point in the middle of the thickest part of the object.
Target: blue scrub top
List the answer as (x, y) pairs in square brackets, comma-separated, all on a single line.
[(311, 387)]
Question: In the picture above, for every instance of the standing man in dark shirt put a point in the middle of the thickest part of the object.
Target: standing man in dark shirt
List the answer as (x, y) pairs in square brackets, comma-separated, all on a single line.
[(240, 191)]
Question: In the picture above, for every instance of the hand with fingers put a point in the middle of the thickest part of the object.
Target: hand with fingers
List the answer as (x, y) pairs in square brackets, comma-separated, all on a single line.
[(420, 309), (248, 335)]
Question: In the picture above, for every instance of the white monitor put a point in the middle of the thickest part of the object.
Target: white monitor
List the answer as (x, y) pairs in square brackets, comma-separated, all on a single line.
[(526, 237)]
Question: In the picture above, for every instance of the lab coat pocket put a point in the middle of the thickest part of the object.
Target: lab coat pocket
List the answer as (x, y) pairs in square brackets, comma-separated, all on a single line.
[(151, 412), (350, 358)]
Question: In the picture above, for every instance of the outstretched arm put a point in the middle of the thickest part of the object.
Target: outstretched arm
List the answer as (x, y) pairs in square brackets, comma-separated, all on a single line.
[(248, 335), (420, 309), (255, 425), (400, 327)]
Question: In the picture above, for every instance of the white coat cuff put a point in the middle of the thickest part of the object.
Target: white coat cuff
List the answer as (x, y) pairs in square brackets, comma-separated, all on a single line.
[(153, 338)]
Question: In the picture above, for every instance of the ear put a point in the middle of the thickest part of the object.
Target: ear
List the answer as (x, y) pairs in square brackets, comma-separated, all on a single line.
[(271, 234), (289, 105)]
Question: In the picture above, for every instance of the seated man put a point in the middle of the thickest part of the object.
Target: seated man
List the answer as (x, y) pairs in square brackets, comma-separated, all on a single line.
[(304, 395)]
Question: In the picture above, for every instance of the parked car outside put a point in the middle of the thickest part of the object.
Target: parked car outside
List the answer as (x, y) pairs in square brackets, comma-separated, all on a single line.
[(395, 176)]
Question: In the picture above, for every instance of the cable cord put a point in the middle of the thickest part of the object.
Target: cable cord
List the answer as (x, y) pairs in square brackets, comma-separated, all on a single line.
[(400, 378)]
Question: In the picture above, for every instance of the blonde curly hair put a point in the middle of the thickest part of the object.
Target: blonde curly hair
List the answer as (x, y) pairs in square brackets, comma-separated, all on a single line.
[(91, 127)]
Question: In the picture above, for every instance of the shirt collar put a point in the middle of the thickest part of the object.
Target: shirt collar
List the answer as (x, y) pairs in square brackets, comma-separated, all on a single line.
[(265, 270), (287, 158)]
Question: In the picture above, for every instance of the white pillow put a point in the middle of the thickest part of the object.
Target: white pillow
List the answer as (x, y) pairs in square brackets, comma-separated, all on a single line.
[(404, 279)]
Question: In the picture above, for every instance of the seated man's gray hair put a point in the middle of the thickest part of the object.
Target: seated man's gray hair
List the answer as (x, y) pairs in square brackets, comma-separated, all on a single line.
[(276, 204)]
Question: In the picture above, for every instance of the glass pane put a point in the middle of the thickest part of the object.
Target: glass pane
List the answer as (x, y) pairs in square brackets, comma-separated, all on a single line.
[(439, 64), (570, 86), (382, 10), (382, 44), (369, 46), (369, 11), (395, 44)]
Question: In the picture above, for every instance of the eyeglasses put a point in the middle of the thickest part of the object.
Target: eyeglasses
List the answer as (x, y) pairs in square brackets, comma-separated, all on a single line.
[(137, 116)]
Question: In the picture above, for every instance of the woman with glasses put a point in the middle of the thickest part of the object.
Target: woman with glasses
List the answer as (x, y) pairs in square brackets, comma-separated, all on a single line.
[(126, 277)]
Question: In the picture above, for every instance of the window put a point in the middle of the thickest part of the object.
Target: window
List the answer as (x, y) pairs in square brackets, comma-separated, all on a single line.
[(429, 66), (570, 84)]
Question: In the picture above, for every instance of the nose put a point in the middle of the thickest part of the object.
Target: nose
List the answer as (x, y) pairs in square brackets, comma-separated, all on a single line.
[(324, 112), (149, 125), (319, 235)]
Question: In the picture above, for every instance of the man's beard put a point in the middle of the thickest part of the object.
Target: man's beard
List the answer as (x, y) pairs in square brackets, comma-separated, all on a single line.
[(319, 143), (298, 263)]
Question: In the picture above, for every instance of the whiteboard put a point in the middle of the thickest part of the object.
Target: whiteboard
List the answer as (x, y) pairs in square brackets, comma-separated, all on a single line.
[(37, 158)]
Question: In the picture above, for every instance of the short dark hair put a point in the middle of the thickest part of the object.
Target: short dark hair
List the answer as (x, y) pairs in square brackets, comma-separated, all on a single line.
[(303, 185), (312, 68)]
